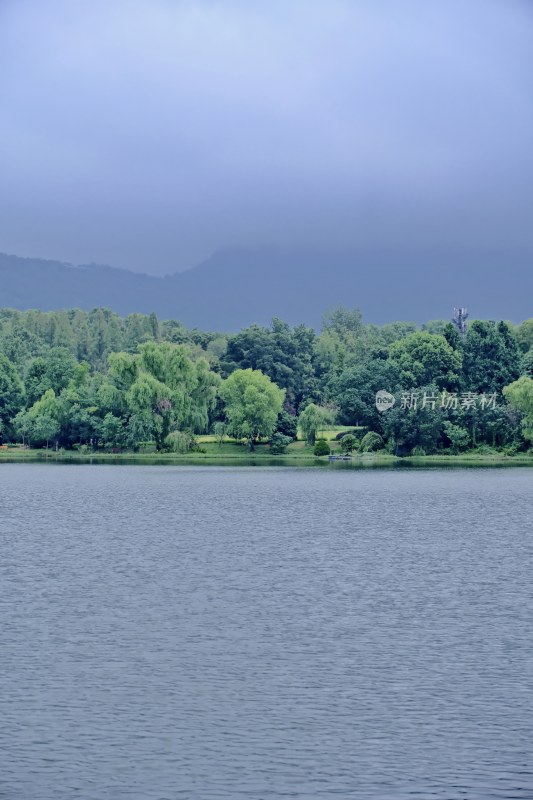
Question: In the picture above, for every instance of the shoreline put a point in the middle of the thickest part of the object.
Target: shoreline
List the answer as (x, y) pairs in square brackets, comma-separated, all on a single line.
[(265, 459)]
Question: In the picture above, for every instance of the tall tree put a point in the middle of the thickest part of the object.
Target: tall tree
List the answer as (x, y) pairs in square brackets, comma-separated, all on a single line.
[(425, 358), (11, 392), (491, 357), (252, 404)]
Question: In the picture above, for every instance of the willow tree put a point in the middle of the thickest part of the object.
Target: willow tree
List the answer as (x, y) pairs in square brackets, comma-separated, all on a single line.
[(163, 384), (313, 419)]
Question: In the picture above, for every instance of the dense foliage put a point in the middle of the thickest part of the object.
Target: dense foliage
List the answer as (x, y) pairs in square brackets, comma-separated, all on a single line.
[(77, 379)]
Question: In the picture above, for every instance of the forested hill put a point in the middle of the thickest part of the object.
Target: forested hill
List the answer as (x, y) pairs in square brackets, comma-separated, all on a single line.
[(239, 286)]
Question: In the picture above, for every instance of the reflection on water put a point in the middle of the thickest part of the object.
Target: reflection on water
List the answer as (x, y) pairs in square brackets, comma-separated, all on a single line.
[(368, 461), (229, 632)]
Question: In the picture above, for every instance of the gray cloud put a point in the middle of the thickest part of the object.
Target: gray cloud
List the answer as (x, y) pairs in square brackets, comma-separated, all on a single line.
[(148, 133)]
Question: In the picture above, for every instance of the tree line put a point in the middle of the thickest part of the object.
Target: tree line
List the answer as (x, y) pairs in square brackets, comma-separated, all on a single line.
[(95, 379)]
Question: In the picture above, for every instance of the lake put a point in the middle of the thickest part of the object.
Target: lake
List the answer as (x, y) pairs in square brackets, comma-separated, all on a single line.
[(262, 633)]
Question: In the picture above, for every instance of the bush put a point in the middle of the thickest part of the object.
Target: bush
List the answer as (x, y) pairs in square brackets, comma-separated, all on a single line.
[(279, 443), (341, 434), (349, 443), (370, 442), (181, 442), (418, 451), (321, 448), (486, 450)]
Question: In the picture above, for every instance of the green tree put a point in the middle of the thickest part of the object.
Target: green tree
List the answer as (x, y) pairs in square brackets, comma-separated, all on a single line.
[(45, 415), (53, 371), (279, 443), (458, 436), (287, 424), (286, 355), (23, 426), (252, 404), (314, 419), (491, 357), (524, 335), (526, 365), (11, 392), (161, 381), (181, 442), (112, 430), (406, 429), (349, 443), (520, 395), (139, 430), (354, 391), (371, 441), (425, 358), (45, 428), (219, 431)]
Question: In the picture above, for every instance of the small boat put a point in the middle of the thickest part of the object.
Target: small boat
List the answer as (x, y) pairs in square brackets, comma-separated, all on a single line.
[(340, 458)]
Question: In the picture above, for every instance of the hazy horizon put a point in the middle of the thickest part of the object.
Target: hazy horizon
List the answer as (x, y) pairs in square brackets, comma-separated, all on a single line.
[(149, 135)]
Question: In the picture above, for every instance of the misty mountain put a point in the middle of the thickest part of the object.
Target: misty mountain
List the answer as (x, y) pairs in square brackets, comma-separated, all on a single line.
[(239, 286)]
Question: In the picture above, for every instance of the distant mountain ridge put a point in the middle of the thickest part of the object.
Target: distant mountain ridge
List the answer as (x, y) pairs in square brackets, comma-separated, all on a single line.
[(238, 286)]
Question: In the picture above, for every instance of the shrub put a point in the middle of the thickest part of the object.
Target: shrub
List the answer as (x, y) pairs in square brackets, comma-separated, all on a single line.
[(371, 441), (181, 442), (486, 450), (321, 448), (418, 451), (279, 443)]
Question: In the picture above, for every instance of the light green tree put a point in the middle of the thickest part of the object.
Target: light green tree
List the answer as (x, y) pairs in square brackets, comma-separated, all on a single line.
[(313, 419), (252, 404), (46, 417), (519, 394), (45, 428), (162, 383)]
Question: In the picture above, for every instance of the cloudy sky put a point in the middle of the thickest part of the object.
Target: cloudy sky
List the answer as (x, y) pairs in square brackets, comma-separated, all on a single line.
[(149, 133)]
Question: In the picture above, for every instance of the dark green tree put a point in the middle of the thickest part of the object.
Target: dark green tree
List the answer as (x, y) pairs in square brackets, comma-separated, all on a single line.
[(11, 393), (491, 357)]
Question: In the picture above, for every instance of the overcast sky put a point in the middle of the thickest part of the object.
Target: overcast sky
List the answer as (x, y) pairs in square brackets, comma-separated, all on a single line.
[(149, 133)]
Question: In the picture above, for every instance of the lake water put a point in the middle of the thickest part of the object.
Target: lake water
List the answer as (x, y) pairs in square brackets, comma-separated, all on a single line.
[(208, 633)]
